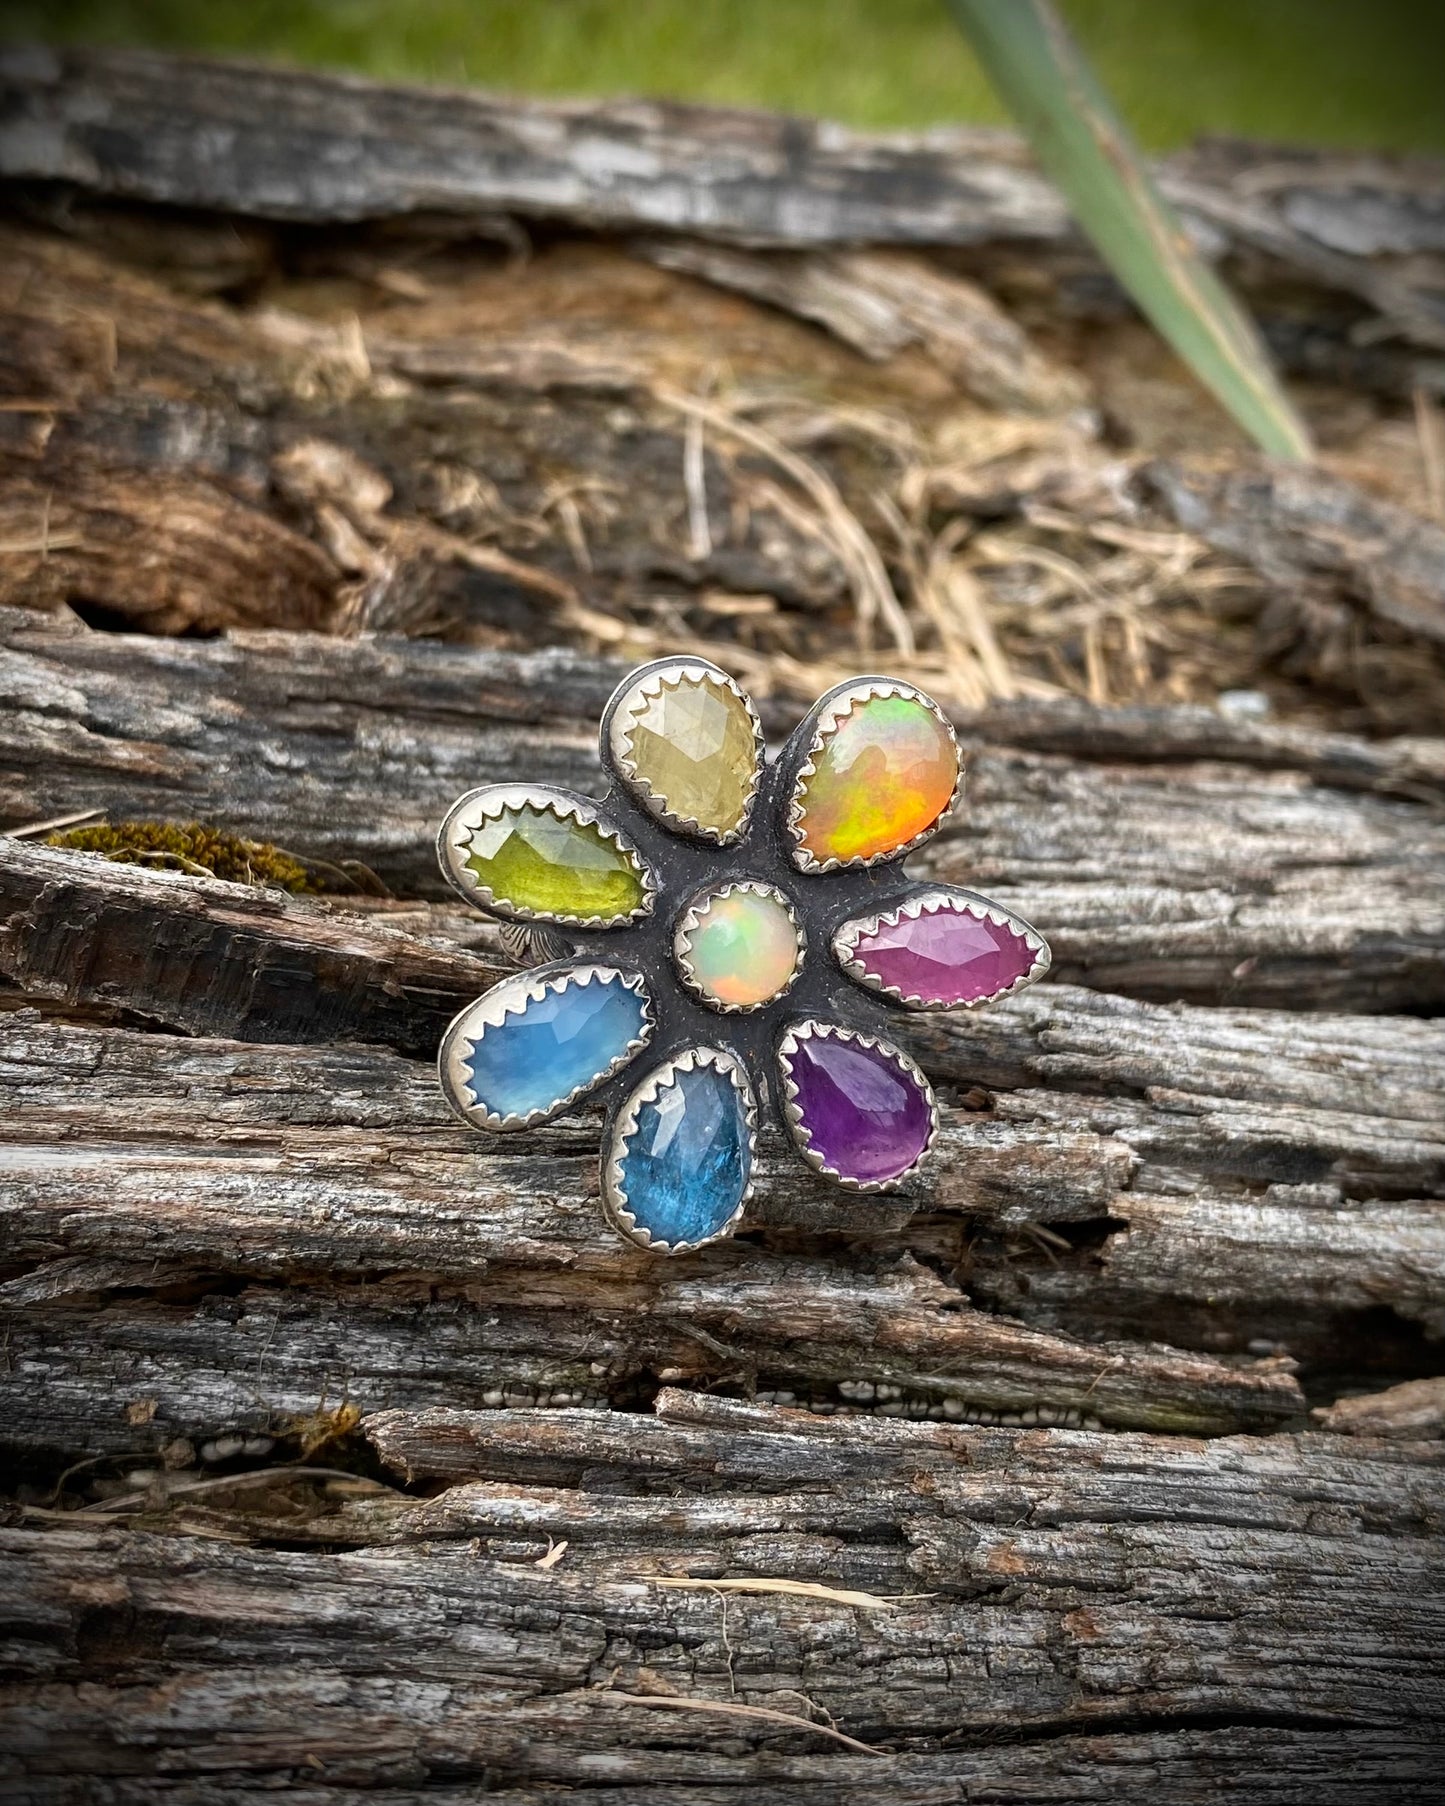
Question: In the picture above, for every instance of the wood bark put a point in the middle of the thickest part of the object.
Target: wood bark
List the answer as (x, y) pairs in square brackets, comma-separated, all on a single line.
[(1091, 1570), (881, 303), (1304, 531), (1242, 1172), (269, 143), (482, 471), (347, 1455), (268, 470), (1158, 872)]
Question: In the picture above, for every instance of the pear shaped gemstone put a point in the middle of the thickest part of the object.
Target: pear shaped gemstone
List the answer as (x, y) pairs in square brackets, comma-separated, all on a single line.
[(942, 949), (535, 1043), (859, 1109), (534, 853), (885, 772), (686, 743), (682, 1153)]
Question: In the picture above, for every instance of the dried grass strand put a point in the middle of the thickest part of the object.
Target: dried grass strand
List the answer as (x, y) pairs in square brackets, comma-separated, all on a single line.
[(796, 1589), (873, 593)]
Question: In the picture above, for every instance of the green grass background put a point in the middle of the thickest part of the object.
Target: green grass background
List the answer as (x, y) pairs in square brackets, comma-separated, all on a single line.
[(1346, 72)]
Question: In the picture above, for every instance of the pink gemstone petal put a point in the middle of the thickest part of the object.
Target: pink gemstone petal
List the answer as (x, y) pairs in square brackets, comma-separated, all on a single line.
[(947, 955)]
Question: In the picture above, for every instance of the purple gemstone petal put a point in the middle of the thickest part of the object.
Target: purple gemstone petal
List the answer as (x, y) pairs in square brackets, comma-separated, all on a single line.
[(946, 956), (864, 1111)]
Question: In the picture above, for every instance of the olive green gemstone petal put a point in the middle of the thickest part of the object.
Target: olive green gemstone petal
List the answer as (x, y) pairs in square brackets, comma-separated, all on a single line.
[(689, 744), (534, 860)]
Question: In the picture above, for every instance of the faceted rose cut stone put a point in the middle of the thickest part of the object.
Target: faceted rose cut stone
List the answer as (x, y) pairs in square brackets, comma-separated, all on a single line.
[(744, 949), (686, 1166), (532, 859), (554, 1045), (864, 1114), (884, 775), (694, 749), (944, 957)]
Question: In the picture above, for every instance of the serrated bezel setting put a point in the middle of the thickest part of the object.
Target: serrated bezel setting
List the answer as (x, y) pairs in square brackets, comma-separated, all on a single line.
[(831, 710), (933, 901), (811, 1029), (620, 718), (472, 811), (692, 919), (614, 1197), (510, 998)]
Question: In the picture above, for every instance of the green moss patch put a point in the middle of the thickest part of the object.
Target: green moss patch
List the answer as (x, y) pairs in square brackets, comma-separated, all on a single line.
[(191, 847)]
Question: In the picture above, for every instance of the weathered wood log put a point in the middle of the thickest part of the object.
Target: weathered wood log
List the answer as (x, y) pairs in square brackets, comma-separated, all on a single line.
[(324, 1161), (1152, 875), (254, 470), (1415, 1408), (233, 960), (1314, 534), (881, 303), (1344, 1072), (124, 391), (1249, 1175), (1134, 1592), (281, 144), (317, 1382), (1284, 1126), (489, 471)]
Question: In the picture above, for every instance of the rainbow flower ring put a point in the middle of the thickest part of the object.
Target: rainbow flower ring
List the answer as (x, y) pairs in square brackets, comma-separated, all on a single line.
[(731, 931)]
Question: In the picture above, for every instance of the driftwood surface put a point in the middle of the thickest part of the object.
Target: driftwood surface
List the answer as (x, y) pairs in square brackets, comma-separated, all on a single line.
[(1175, 860), (353, 442), (282, 145)]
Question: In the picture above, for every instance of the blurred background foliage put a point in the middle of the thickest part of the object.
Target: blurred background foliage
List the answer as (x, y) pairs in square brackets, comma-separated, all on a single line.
[(1340, 72)]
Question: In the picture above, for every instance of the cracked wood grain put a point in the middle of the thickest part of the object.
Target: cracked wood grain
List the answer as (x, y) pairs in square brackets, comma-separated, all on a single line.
[(880, 303), (186, 465), (1110, 1595), (299, 146), (1230, 883), (191, 466), (1313, 535), (343, 1161), (233, 960), (357, 1174)]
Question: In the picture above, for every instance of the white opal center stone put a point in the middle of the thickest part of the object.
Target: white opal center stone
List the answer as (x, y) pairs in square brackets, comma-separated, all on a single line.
[(739, 946)]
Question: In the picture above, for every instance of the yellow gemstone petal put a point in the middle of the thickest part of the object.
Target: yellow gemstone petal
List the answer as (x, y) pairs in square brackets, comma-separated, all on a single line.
[(687, 743), (530, 853)]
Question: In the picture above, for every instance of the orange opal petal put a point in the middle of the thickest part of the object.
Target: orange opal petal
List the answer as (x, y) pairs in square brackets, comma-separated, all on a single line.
[(884, 775)]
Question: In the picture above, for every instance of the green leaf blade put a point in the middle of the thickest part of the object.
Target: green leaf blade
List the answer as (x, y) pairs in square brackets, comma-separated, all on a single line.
[(1085, 147)]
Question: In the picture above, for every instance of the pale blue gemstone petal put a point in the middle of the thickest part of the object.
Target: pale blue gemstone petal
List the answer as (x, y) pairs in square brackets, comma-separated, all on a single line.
[(685, 1167), (554, 1045)]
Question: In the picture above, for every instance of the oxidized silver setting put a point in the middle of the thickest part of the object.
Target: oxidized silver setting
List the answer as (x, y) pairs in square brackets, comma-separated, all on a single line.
[(830, 905), (470, 812), (646, 684), (614, 1197), (510, 998), (930, 902), (793, 1115), (832, 708), (692, 919)]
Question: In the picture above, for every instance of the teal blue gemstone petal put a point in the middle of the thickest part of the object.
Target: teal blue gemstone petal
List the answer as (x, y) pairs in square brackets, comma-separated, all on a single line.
[(545, 1050), (684, 1169)]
